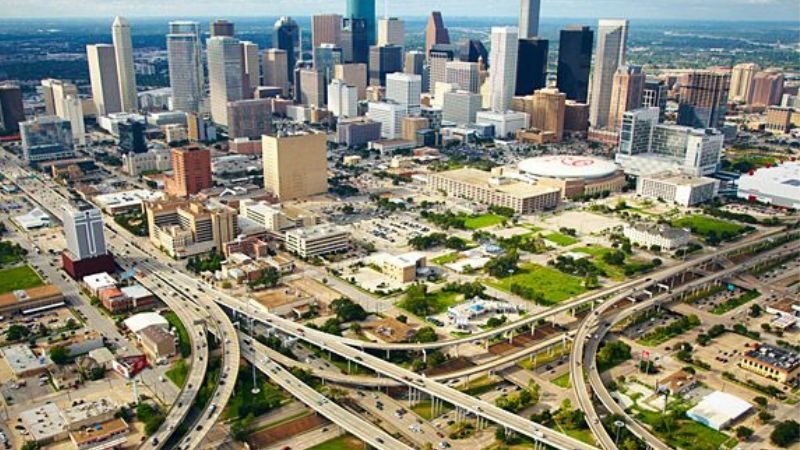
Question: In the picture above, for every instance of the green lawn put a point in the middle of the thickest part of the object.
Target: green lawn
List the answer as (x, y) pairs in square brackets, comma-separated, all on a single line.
[(478, 386), (735, 302), (613, 272), (562, 381), (346, 442), (178, 372), (561, 239), (483, 221), (447, 258), (703, 225), (555, 286), (688, 434), (22, 277)]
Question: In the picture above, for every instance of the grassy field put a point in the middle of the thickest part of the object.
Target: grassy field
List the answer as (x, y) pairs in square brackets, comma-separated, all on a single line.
[(703, 225), (22, 277), (441, 301), (613, 272), (688, 434), (178, 372), (554, 285), (478, 386), (561, 239), (346, 442), (735, 302), (562, 381), (483, 221), (446, 258)]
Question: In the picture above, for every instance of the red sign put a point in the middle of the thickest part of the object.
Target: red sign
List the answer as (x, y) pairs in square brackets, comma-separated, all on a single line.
[(645, 354)]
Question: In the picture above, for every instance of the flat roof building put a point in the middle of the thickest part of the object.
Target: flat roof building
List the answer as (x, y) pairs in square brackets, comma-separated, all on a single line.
[(677, 188), (317, 241), (775, 363), (295, 166), (31, 300)]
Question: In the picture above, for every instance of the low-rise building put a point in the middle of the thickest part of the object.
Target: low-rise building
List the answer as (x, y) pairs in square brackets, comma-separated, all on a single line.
[(31, 300), (317, 241), (718, 410), (77, 344), (157, 342), (391, 330), (44, 424), (102, 435), (126, 201), (401, 268), (775, 363), (679, 189), (154, 160), (23, 362), (660, 235)]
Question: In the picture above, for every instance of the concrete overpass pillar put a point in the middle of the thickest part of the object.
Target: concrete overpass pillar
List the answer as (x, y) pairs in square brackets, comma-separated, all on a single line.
[(572, 312), (533, 329), (388, 356), (510, 337), (424, 355)]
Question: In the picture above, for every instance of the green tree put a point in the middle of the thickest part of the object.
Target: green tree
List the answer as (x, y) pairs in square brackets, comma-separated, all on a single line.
[(743, 433), (425, 334), (17, 332), (785, 433), (60, 355), (503, 266)]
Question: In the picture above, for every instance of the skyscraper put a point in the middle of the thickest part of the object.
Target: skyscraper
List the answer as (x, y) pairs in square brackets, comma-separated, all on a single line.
[(355, 41), (529, 18), (702, 99), (460, 106), (626, 93), (251, 68), (295, 166), (473, 50), (612, 37), (549, 107), (435, 32), (187, 27), (11, 109), (365, 10), (326, 29), (531, 65), (224, 75), (249, 118), (184, 71), (354, 75), (83, 230), (46, 138), (503, 71), (103, 77), (465, 74), (191, 167), (275, 62), (342, 99), (222, 27), (741, 81), (404, 89), (414, 60), (766, 88), (73, 111), (121, 35), (438, 57), (286, 36), (384, 60), (325, 57), (391, 30), (574, 62), (312, 88), (655, 95)]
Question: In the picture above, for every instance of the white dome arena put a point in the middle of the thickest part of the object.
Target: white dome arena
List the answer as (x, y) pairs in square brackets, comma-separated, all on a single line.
[(568, 166)]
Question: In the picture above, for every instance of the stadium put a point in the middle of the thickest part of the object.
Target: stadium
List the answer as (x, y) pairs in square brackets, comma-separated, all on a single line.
[(574, 175)]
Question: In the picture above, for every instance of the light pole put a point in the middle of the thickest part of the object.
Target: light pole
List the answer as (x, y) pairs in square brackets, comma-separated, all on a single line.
[(255, 390), (619, 424)]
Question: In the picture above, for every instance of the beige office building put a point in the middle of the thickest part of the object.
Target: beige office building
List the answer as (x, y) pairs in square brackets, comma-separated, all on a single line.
[(103, 76), (295, 166), (548, 111), (275, 62), (354, 74), (410, 127), (326, 29), (741, 81)]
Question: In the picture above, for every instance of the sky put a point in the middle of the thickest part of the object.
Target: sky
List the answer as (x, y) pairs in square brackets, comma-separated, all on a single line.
[(745, 10)]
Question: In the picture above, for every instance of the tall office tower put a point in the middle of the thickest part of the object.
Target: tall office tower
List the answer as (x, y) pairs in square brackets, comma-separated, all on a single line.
[(529, 18), (414, 61), (73, 111), (742, 81), (46, 138), (312, 88), (11, 110), (326, 29), (47, 95), (275, 69), (295, 166), (405, 89), (354, 75), (460, 107), (626, 93), (103, 77), (187, 27), (326, 56), (342, 99), (465, 74), (191, 167), (574, 62), (435, 32), (251, 68), (531, 65), (391, 30), (185, 68), (222, 27), (612, 37), (473, 50), (121, 35), (503, 71), (549, 107), (390, 115), (637, 131), (249, 118), (411, 126), (767, 88), (655, 95), (56, 92), (364, 10), (224, 75), (83, 230), (702, 99), (355, 41), (286, 36), (438, 57), (382, 61)]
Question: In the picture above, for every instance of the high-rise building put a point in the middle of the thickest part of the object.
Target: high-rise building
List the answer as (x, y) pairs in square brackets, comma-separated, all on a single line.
[(655, 95), (295, 166), (435, 32), (626, 93), (411, 125), (312, 88), (103, 77), (465, 74), (83, 230), (47, 95), (414, 62), (382, 61), (767, 88), (251, 68), (354, 74), (224, 75), (355, 41), (222, 27), (188, 27), (249, 118), (612, 37), (46, 138), (73, 111), (286, 36), (342, 99), (405, 89), (60, 90), (547, 115), (529, 18), (461, 106), (503, 71), (191, 167), (391, 30), (741, 81), (131, 136), (364, 10), (12, 111), (185, 70), (390, 115), (473, 50), (200, 128), (326, 56), (326, 29), (531, 65), (276, 70), (575, 62), (438, 57), (702, 99), (121, 34)]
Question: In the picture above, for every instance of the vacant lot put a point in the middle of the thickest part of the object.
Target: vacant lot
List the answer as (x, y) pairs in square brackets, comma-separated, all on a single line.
[(483, 221), (14, 278), (705, 225), (264, 438), (552, 284), (561, 239)]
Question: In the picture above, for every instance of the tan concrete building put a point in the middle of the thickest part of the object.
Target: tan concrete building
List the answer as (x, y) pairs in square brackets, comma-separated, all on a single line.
[(576, 117), (779, 120), (326, 29), (183, 228), (295, 166), (410, 127), (275, 69), (157, 342), (626, 94), (772, 362), (548, 112), (30, 299), (741, 81), (354, 74)]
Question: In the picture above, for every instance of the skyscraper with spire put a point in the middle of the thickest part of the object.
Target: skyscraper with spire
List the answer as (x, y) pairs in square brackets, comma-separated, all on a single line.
[(123, 48), (612, 36), (435, 32)]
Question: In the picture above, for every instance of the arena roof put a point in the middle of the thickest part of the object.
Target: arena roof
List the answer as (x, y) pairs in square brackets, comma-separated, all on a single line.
[(568, 166)]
